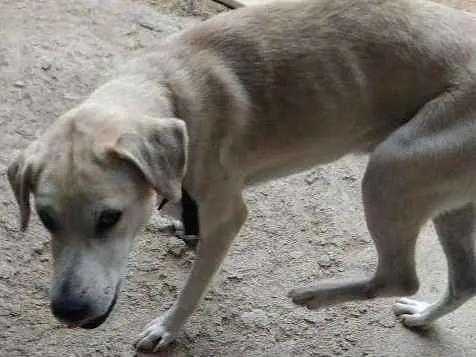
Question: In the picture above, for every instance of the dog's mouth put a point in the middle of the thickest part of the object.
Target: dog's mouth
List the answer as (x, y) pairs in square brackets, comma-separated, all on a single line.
[(98, 321)]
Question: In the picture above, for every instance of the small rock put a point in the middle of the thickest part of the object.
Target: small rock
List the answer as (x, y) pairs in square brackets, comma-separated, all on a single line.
[(349, 178), (19, 84), (171, 288), (45, 66), (324, 261), (312, 177), (310, 180), (234, 278), (38, 249)]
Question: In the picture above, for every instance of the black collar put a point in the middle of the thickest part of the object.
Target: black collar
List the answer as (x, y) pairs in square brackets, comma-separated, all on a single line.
[(190, 219)]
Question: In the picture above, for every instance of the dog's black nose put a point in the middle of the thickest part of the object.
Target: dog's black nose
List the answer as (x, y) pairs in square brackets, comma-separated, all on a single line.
[(70, 310)]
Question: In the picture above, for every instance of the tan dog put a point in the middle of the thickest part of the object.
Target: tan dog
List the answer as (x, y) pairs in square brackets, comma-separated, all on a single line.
[(254, 94)]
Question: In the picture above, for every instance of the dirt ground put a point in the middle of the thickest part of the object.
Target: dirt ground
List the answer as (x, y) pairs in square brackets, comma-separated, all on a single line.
[(309, 226)]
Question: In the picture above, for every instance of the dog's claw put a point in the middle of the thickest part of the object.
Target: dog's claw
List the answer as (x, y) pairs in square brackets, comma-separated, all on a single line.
[(411, 312), (153, 339), (157, 334), (165, 340)]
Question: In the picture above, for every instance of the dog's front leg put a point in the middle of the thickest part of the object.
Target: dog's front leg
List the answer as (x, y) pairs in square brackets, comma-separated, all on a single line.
[(220, 220)]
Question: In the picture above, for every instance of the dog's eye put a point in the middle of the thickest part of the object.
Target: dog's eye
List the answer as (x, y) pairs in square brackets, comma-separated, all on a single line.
[(47, 220), (107, 220)]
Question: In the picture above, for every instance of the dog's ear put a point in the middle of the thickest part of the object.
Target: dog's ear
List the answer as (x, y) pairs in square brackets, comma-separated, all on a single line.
[(158, 148), (21, 178)]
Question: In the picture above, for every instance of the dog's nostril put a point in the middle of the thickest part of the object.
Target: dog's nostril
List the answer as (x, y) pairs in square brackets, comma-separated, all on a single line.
[(70, 310)]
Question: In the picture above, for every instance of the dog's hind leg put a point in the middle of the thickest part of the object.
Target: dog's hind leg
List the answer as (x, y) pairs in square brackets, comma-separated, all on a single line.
[(456, 232), (394, 229), (416, 173)]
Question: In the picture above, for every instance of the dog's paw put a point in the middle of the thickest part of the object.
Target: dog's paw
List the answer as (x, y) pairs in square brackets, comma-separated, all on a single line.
[(159, 333), (319, 295), (300, 296), (413, 313), (308, 297)]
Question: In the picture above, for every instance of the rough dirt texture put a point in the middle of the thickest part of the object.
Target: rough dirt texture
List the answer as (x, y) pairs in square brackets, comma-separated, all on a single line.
[(309, 226)]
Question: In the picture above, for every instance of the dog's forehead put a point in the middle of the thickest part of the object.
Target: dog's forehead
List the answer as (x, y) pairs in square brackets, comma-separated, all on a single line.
[(82, 131), (87, 180), (76, 152)]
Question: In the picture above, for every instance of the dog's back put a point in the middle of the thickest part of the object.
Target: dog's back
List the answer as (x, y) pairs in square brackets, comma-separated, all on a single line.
[(371, 63)]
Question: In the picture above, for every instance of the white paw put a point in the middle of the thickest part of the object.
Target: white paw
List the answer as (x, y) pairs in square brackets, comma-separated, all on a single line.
[(413, 313), (159, 333)]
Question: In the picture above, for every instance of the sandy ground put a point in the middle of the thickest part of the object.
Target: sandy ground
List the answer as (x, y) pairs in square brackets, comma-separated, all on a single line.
[(309, 226)]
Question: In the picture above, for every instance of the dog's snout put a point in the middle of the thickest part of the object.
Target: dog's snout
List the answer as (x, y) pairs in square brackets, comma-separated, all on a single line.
[(71, 310)]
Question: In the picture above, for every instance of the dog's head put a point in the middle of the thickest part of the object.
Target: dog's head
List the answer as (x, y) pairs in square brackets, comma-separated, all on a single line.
[(92, 175)]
